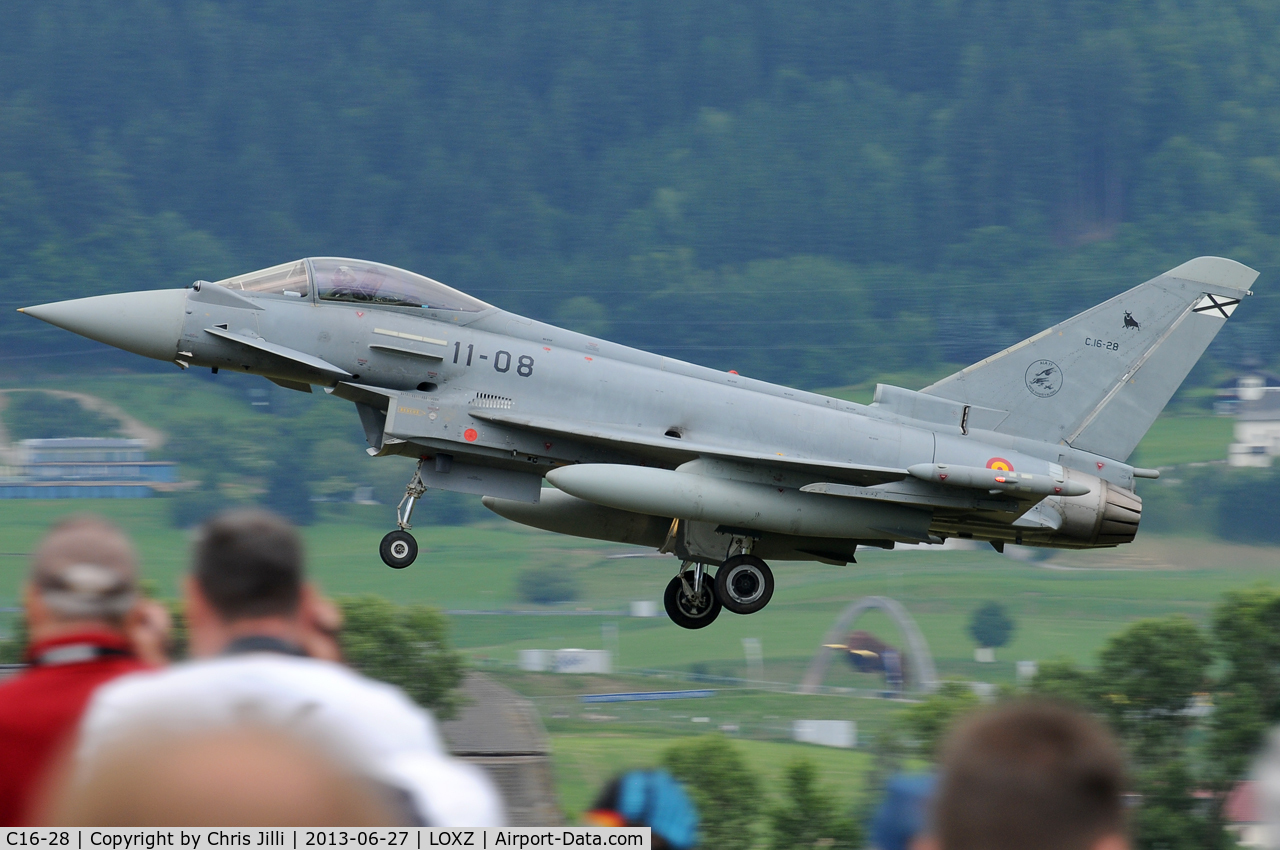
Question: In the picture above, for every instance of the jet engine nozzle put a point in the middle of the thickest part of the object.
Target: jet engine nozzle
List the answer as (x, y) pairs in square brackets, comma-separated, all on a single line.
[(147, 323), (977, 477)]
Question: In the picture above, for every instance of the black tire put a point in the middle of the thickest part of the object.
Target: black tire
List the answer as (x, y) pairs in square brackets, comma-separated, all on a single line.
[(744, 584), (398, 549), (684, 612)]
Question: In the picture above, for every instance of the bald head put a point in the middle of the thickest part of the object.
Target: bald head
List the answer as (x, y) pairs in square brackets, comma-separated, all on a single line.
[(85, 569), (233, 777)]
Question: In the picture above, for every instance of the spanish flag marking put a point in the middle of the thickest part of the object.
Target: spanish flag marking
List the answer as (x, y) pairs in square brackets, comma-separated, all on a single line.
[(1000, 463)]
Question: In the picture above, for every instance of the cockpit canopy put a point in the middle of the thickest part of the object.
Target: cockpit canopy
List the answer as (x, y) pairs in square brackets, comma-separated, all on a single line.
[(356, 281)]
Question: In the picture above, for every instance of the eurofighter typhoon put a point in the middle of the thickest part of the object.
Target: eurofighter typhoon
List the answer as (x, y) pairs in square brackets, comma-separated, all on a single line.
[(1027, 446)]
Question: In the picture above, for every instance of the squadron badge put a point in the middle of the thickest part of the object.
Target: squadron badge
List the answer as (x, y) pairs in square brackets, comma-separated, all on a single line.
[(1044, 378)]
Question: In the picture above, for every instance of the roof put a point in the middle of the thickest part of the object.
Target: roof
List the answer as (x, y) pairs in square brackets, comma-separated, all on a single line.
[(500, 732), (1242, 803), (1265, 409), (494, 721)]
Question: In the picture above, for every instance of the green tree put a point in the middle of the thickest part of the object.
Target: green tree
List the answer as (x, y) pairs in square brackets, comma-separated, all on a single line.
[(1260, 523), (991, 625), (1169, 816), (810, 816), (406, 645), (929, 720), (40, 415), (1246, 634), (1146, 678), (546, 584), (725, 789), (1061, 679), (288, 487)]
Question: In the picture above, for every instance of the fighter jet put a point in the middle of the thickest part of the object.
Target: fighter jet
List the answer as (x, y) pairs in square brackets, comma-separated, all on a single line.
[(1028, 446)]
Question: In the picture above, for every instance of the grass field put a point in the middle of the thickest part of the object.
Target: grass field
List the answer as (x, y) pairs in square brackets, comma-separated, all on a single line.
[(1174, 440)]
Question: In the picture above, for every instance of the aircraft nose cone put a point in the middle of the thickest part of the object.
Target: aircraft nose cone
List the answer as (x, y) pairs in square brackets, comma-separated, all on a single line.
[(146, 323)]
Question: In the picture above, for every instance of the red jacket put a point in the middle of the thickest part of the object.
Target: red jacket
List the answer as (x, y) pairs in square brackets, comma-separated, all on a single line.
[(40, 708)]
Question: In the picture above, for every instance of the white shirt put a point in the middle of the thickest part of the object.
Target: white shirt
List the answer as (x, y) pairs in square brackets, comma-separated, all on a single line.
[(355, 720)]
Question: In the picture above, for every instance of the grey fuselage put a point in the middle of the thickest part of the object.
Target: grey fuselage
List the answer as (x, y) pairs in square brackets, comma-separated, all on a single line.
[(653, 451), (507, 399)]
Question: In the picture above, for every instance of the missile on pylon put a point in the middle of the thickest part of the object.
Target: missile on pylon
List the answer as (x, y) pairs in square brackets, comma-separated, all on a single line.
[(997, 480)]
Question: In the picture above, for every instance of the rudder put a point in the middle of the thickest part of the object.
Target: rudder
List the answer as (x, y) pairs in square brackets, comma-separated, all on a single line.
[(1098, 380)]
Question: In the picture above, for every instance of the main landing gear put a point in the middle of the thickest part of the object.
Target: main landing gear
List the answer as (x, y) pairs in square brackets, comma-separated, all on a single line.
[(743, 584), (398, 549)]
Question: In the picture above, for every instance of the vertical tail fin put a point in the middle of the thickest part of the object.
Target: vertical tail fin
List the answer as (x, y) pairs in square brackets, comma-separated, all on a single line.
[(1098, 380)]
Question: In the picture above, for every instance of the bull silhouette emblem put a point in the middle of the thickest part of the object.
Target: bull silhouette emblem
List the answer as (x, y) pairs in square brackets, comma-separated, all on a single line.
[(1130, 321)]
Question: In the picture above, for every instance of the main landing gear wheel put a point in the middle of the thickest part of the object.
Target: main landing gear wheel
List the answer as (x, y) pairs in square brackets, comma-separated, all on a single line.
[(744, 584), (398, 549), (688, 609)]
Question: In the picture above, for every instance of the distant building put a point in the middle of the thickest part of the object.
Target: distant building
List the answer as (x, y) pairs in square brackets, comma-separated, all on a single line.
[(1253, 397), (1248, 386), (84, 468), (500, 731), (1257, 431)]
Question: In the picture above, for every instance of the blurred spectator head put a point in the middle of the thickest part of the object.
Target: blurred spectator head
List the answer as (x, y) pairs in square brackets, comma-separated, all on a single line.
[(903, 815), (651, 798), (248, 579), (84, 571), (248, 564), (1031, 775), (233, 777)]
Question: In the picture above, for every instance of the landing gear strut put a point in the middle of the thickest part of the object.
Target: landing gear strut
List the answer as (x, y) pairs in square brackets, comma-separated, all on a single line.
[(691, 599), (398, 549)]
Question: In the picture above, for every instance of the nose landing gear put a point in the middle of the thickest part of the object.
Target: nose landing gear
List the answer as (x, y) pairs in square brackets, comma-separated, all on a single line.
[(398, 548)]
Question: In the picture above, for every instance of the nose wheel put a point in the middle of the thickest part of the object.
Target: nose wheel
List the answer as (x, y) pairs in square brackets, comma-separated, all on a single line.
[(744, 584), (690, 599), (398, 549)]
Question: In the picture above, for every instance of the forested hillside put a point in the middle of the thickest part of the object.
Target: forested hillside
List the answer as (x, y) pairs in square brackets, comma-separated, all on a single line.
[(807, 192)]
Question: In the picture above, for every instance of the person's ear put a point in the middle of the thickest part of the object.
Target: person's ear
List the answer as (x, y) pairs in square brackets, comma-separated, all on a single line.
[(33, 603), (204, 627), (197, 607), (925, 842)]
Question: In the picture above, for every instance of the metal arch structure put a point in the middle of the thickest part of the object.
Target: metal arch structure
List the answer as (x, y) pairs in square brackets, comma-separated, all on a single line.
[(925, 675)]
